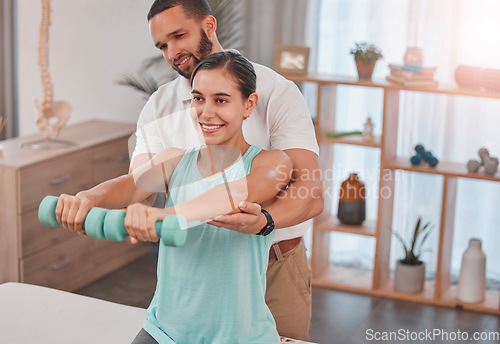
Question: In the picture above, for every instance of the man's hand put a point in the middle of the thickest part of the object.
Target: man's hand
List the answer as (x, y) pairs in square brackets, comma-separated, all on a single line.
[(249, 221)]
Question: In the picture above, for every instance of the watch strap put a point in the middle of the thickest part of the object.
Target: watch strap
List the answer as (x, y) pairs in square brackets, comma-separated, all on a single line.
[(269, 227)]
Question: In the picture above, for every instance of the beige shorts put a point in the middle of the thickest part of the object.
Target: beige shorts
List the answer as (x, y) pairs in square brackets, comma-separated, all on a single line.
[(288, 293)]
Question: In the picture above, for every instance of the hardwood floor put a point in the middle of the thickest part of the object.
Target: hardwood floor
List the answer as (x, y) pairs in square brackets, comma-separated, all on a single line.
[(338, 317)]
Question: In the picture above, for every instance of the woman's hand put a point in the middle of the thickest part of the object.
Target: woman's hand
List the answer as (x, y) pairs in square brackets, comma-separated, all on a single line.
[(72, 210), (140, 222)]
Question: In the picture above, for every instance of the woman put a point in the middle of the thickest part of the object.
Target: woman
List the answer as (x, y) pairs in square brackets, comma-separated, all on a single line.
[(211, 290)]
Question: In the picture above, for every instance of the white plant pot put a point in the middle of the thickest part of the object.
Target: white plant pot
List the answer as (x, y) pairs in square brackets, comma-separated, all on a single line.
[(409, 278)]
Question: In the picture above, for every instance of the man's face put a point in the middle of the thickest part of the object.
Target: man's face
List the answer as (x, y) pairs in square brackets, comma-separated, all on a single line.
[(182, 41)]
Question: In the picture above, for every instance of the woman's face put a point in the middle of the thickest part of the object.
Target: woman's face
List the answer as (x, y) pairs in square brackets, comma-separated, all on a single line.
[(219, 107)]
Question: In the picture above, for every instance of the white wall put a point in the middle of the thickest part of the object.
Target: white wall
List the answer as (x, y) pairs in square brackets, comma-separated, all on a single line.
[(91, 43)]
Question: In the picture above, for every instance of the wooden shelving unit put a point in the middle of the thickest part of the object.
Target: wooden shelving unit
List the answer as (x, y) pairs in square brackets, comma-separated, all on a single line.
[(379, 281), (351, 140), (338, 277), (444, 168), (328, 222)]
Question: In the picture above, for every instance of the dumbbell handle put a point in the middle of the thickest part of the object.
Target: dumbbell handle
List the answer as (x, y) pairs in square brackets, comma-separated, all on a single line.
[(109, 224)]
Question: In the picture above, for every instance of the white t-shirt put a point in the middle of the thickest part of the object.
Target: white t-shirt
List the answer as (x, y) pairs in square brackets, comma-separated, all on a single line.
[(281, 120)]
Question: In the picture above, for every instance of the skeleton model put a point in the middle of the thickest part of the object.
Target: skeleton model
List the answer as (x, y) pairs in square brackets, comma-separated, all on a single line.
[(51, 115)]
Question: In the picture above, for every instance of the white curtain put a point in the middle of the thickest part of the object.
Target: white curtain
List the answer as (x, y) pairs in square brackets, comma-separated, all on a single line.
[(7, 93), (272, 22), (450, 33)]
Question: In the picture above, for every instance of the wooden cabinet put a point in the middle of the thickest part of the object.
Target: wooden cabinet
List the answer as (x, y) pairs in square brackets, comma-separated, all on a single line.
[(378, 281), (33, 253)]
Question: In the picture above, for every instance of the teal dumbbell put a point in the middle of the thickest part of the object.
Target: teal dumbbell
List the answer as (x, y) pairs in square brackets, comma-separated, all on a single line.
[(107, 224), (422, 154), (172, 230), (93, 223)]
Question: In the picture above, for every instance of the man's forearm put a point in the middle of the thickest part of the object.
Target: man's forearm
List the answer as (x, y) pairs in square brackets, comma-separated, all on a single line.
[(301, 201)]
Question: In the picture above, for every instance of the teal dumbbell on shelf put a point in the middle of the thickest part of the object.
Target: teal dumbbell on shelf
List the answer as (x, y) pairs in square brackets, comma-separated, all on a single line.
[(107, 224)]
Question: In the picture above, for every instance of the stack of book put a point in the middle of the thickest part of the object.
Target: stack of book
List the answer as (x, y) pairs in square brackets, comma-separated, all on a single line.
[(412, 76)]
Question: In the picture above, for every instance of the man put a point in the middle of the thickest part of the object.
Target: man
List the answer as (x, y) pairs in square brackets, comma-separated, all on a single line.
[(184, 30)]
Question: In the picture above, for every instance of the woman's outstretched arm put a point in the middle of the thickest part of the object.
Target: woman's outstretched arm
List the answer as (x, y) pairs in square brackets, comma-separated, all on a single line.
[(115, 193)]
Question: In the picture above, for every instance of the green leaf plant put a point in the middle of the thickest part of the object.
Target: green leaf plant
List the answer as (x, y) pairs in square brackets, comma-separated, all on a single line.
[(413, 249), (366, 53)]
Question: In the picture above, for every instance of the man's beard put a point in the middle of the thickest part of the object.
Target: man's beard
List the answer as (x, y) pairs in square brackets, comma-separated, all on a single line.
[(204, 49)]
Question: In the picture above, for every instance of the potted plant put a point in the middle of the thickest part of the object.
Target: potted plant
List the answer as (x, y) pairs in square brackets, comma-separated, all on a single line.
[(365, 56), (410, 271)]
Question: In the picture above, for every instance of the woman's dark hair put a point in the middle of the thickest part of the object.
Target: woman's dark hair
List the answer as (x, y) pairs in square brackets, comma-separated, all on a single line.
[(236, 64), (197, 9)]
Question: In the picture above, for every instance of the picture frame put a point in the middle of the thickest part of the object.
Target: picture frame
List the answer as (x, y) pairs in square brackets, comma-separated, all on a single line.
[(291, 59)]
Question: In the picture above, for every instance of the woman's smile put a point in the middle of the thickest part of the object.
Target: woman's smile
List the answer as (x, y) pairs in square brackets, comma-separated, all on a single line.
[(210, 128)]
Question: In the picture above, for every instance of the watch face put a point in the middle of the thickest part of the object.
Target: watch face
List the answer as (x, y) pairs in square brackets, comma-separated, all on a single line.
[(268, 229)]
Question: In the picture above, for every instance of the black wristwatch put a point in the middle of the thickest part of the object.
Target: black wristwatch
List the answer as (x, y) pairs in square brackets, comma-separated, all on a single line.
[(269, 227)]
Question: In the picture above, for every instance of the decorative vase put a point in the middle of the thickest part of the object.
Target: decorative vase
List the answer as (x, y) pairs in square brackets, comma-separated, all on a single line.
[(413, 57), (365, 71), (472, 280), (352, 201), (409, 278)]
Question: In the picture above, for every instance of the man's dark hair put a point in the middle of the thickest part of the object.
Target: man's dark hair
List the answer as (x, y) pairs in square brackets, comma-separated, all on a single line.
[(196, 9), (238, 66)]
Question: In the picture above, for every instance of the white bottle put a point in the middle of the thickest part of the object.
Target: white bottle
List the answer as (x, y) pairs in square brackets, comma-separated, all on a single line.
[(472, 281), (367, 134)]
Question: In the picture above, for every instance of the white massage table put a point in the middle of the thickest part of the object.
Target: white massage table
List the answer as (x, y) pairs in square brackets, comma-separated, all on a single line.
[(36, 315), (31, 314)]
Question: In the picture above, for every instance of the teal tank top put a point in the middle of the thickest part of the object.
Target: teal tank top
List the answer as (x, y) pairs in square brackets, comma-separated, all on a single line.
[(211, 290)]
